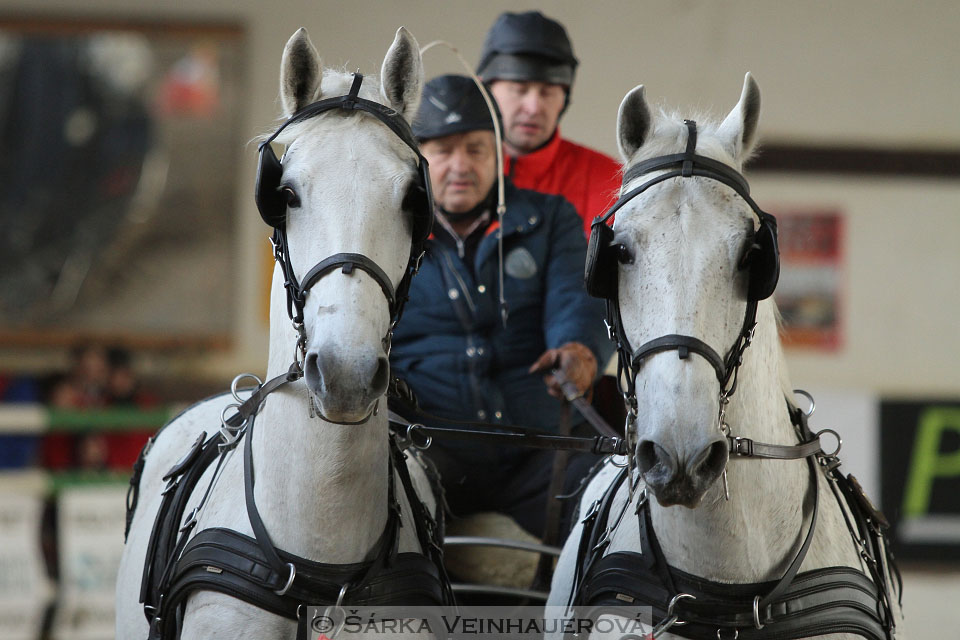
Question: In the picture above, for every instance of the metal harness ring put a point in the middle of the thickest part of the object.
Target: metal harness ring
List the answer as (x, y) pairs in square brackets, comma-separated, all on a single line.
[(808, 396), (230, 434), (835, 435), (236, 381), (286, 587), (411, 432), (756, 613)]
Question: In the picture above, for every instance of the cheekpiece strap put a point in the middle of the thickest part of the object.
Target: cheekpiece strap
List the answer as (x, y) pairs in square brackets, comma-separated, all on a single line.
[(686, 169)]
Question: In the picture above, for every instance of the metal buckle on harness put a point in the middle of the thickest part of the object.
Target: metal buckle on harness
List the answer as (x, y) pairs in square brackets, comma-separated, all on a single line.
[(591, 512), (742, 446), (191, 520), (611, 333)]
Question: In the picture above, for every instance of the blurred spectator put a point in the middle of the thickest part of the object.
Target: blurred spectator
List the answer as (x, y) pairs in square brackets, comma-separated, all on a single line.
[(123, 387), (98, 378)]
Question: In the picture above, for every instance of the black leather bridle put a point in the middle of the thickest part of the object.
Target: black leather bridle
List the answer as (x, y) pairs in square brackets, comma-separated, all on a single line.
[(687, 164), (273, 211)]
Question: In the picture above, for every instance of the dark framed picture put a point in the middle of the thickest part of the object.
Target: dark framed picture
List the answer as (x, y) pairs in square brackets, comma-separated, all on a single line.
[(121, 148)]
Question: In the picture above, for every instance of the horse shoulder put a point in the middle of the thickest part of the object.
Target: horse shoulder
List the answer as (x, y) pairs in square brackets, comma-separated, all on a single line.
[(425, 492), (169, 445), (211, 615), (564, 572)]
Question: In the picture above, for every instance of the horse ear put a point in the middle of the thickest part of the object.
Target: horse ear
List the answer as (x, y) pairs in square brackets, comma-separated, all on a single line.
[(299, 73), (739, 129), (401, 78), (633, 123)]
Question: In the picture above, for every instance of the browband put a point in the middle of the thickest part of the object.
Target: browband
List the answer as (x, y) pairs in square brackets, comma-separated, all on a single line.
[(353, 102)]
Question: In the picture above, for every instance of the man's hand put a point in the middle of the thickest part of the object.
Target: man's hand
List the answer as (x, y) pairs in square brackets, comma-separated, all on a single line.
[(574, 360)]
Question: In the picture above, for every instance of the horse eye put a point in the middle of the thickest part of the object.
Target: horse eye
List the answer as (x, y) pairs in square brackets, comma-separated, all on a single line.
[(415, 199), (623, 254), (291, 197), (748, 255)]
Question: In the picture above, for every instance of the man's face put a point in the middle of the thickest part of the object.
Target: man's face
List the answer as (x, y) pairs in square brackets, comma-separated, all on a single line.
[(463, 168), (530, 112)]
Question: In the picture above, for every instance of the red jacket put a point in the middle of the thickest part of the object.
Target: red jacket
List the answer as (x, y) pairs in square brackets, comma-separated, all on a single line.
[(587, 178)]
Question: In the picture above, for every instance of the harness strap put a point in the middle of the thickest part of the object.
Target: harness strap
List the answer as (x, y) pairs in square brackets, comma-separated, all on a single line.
[(748, 448), (429, 526), (259, 530), (165, 535), (594, 537), (794, 567), (683, 345)]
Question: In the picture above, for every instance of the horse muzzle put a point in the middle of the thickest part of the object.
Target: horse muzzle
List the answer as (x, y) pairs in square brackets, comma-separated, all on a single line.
[(681, 483), (345, 387)]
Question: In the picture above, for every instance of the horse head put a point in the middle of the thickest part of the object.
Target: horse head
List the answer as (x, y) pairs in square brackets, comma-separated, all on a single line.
[(684, 284), (349, 184)]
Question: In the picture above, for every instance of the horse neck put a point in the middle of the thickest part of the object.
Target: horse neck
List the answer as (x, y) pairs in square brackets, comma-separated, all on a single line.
[(748, 537), (314, 473)]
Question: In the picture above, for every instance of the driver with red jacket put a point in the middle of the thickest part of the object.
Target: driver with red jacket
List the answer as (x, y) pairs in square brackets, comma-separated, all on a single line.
[(528, 63)]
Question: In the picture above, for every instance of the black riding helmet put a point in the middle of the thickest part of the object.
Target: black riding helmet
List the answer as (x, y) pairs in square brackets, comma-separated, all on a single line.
[(451, 104), (527, 47)]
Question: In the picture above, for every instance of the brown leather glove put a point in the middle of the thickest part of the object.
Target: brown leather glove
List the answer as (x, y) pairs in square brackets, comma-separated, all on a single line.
[(575, 361)]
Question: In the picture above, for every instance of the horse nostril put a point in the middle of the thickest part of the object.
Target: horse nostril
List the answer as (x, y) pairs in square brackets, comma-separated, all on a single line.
[(311, 370), (646, 456), (714, 462), (381, 376)]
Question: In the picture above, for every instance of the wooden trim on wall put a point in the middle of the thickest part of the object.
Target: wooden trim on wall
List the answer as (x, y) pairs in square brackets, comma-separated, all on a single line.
[(904, 163), (82, 24), (66, 338)]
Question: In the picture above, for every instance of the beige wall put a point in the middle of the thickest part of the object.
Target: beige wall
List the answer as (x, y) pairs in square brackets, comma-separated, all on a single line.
[(851, 72)]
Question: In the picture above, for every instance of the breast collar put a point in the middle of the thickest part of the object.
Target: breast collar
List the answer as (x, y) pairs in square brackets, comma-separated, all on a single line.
[(812, 603), (253, 570)]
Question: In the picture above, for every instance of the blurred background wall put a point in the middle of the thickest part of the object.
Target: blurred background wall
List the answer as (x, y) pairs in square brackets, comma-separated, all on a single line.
[(860, 85)]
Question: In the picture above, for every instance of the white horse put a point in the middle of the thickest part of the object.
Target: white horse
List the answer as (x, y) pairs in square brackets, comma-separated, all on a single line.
[(323, 489), (683, 257)]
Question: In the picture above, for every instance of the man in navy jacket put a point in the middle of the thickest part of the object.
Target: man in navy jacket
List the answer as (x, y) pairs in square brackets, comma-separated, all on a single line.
[(452, 347)]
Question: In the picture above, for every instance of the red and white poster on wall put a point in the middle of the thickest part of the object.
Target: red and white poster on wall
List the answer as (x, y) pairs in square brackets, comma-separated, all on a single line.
[(809, 293)]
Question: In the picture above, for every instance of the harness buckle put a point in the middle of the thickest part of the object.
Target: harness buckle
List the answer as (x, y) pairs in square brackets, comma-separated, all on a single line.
[(742, 446), (191, 520), (611, 332), (591, 512)]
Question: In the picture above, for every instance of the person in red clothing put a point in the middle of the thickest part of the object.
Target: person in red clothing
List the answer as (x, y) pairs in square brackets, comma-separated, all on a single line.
[(528, 63)]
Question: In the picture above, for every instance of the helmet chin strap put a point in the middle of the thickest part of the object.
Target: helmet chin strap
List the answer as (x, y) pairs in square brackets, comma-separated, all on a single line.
[(457, 217), (498, 135)]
